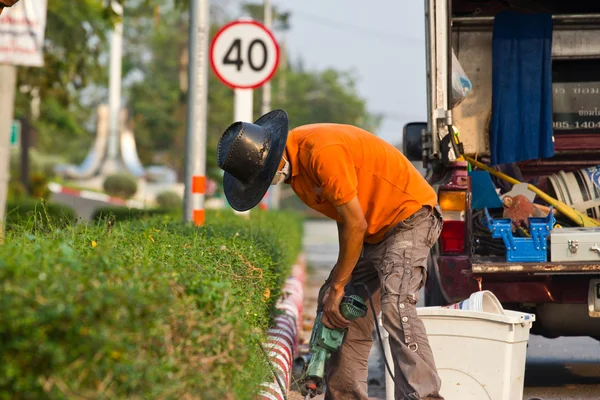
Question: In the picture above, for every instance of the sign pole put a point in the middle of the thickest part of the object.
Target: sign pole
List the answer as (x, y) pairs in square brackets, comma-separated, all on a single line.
[(242, 105), (274, 193), (195, 157), (8, 85), (244, 56), (266, 89)]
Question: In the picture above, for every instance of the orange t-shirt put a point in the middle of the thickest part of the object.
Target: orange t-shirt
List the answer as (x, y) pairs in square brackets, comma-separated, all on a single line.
[(333, 163)]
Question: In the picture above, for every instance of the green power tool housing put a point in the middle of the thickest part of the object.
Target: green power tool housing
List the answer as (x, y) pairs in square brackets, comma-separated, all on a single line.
[(324, 341)]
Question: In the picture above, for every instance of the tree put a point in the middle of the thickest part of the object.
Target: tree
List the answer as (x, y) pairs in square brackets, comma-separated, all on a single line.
[(158, 100), (327, 96), (75, 40), (74, 79)]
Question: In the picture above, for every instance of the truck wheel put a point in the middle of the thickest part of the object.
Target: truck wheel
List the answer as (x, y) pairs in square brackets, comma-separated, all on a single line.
[(433, 293)]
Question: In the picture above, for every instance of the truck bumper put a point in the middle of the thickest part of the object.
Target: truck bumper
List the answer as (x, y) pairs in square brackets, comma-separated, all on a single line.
[(536, 283)]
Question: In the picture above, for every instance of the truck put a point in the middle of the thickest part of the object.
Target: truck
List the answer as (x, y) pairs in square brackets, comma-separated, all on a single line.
[(564, 295)]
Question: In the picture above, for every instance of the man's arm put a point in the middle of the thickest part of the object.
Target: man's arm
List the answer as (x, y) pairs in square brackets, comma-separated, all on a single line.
[(333, 169), (351, 233)]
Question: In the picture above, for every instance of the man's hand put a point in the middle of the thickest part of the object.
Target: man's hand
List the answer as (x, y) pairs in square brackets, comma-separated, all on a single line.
[(332, 318), (7, 3)]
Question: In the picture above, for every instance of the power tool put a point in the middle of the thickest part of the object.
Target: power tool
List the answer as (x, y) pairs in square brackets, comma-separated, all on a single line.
[(324, 341)]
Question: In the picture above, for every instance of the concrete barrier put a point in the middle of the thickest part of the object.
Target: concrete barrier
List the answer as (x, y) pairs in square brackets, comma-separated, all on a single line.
[(91, 195), (282, 341)]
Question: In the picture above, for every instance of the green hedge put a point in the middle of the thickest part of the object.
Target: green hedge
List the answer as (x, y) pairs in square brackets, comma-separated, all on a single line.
[(37, 215), (121, 185), (169, 200), (127, 214), (142, 309)]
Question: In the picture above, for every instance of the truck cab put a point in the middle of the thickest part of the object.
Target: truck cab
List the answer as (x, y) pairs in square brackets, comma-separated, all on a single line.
[(563, 292)]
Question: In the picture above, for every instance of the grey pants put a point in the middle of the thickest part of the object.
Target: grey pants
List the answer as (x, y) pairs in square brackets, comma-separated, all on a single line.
[(394, 270)]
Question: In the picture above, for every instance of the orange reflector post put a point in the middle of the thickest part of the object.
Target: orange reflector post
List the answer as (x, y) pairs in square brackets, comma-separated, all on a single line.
[(198, 184), (199, 217)]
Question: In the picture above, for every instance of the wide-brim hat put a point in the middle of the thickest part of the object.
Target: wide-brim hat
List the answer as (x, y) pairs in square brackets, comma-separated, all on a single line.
[(250, 155)]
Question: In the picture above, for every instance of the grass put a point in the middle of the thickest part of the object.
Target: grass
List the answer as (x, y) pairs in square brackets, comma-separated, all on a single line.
[(142, 309), (35, 215)]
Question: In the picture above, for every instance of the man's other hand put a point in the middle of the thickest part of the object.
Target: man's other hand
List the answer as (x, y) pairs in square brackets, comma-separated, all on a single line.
[(7, 3), (332, 318)]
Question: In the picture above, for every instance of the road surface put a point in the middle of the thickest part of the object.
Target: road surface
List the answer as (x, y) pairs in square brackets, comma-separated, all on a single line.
[(557, 369)]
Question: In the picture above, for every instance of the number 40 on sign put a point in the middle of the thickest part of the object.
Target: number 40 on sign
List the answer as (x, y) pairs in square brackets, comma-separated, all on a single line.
[(244, 54)]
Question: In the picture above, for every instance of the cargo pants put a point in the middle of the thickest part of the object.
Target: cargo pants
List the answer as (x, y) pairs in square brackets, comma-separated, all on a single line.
[(394, 271)]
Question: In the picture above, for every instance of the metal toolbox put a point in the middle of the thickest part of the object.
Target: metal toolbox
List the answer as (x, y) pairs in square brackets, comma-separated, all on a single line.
[(575, 244)]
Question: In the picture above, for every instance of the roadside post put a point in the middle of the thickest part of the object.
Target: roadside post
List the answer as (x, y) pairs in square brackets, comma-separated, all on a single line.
[(195, 157), (244, 56), (21, 44)]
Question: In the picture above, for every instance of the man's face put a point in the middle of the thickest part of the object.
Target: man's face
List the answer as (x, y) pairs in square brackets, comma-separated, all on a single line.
[(282, 172)]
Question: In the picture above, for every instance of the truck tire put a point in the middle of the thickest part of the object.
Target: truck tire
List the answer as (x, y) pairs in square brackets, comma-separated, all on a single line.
[(433, 292)]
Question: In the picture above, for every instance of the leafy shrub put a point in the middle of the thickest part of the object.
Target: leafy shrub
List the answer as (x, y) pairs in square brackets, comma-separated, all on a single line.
[(39, 163), (39, 186), (154, 309), (34, 215), (16, 190), (47, 164), (120, 185), (169, 200)]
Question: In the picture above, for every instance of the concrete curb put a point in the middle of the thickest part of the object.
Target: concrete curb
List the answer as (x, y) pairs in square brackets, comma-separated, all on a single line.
[(87, 194), (282, 342)]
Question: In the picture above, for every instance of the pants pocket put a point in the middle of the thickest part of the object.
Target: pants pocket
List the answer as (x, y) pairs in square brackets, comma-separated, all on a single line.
[(391, 278), (437, 223), (423, 277)]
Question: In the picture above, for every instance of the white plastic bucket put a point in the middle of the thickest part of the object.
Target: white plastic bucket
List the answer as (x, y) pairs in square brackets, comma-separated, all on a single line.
[(579, 189), (479, 355), (482, 301)]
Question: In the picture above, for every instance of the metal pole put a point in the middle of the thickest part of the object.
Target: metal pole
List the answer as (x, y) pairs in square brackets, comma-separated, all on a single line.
[(114, 89), (195, 157), (243, 100), (275, 191), (25, 134), (8, 84), (266, 90)]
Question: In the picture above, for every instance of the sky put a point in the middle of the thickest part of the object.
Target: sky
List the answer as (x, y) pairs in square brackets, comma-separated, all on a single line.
[(381, 41)]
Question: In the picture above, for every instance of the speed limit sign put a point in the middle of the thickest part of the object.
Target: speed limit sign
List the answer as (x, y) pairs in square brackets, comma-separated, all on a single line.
[(244, 54)]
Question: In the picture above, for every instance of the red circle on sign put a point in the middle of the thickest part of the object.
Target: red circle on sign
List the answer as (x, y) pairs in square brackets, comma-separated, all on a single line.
[(212, 58)]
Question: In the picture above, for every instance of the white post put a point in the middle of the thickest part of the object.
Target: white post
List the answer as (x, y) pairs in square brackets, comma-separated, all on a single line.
[(266, 89), (243, 103), (114, 90), (274, 191), (8, 82), (195, 158)]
